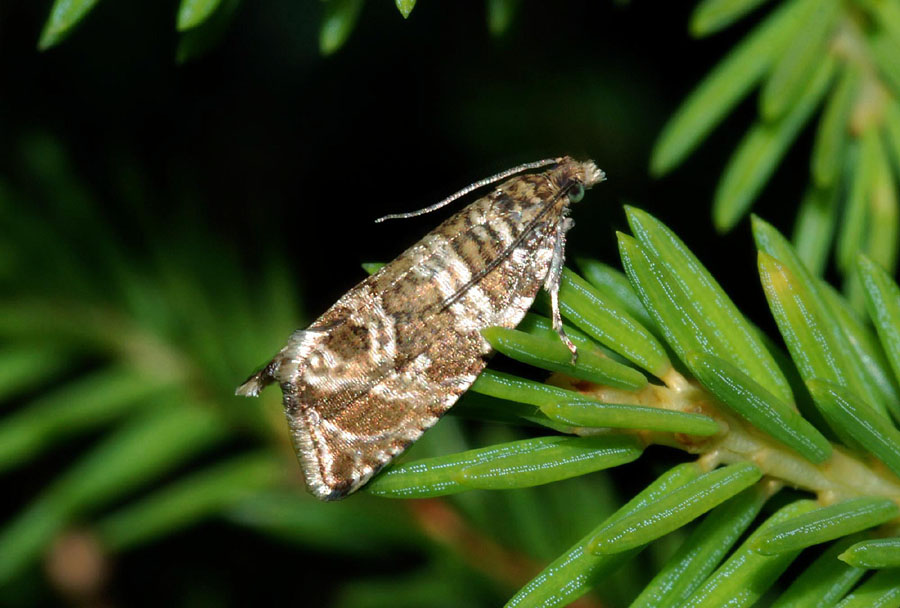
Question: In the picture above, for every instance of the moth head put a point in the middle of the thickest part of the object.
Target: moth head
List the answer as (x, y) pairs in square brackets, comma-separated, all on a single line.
[(577, 176), (576, 192), (590, 173)]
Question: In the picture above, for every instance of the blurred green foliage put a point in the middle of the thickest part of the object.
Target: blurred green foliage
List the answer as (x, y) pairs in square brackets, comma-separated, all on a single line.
[(139, 351), (804, 54)]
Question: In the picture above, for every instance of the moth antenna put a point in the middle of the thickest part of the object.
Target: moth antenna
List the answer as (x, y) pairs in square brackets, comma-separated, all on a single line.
[(479, 184)]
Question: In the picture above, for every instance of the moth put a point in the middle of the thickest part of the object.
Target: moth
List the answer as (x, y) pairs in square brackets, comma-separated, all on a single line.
[(391, 356)]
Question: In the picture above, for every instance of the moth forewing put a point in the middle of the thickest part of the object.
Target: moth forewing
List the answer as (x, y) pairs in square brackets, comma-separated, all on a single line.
[(389, 358)]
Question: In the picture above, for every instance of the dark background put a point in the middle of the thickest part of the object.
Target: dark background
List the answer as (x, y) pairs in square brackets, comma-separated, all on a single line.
[(271, 142), (275, 148)]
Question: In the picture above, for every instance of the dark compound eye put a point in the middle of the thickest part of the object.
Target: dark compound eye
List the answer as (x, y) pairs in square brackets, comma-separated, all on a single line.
[(576, 193)]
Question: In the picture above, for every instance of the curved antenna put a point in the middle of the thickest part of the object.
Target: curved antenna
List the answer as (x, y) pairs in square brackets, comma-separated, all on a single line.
[(470, 188)]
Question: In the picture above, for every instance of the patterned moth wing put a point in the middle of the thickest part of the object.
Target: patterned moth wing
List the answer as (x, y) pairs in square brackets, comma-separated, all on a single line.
[(389, 358)]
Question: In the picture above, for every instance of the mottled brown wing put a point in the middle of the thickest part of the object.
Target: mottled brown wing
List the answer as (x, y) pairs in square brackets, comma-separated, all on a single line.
[(381, 376), (397, 351)]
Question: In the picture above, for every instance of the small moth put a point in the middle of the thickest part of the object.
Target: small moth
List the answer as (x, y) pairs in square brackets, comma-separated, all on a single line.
[(389, 358)]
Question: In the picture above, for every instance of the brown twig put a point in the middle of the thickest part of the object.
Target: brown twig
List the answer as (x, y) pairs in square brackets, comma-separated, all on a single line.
[(443, 525)]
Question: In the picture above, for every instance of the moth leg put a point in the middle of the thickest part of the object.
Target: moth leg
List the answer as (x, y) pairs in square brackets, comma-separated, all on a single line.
[(551, 283)]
